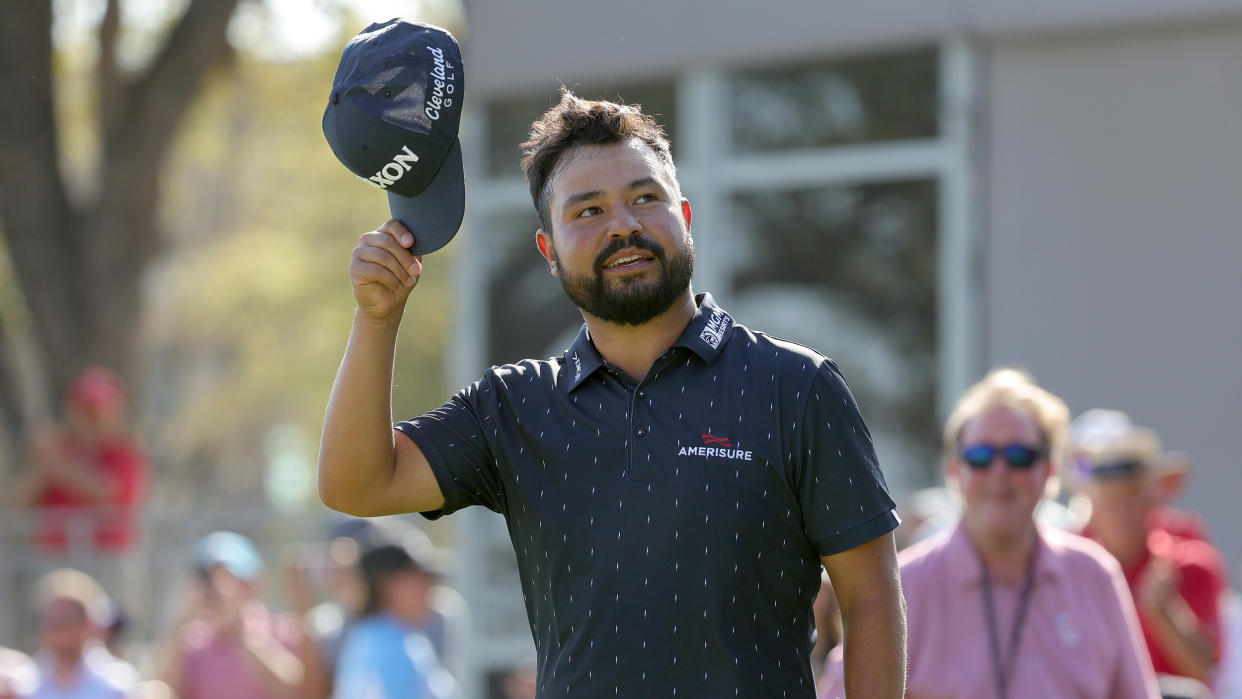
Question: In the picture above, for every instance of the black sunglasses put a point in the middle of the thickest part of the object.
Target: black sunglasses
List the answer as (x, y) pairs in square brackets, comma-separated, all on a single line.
[(980, 456)]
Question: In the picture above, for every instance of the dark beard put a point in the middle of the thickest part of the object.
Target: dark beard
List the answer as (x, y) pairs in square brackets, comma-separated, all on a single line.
[(630, 301)]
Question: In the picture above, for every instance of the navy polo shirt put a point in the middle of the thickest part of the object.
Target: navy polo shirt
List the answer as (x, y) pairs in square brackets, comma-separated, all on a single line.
[(667, 531)]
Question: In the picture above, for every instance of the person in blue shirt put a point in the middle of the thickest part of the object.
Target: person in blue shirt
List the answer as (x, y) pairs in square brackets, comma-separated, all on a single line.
[(385, 656)]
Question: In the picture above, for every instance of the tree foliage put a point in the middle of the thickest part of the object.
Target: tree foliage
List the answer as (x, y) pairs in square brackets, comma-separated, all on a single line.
[(202, 252), (78, 257), (253, 307)]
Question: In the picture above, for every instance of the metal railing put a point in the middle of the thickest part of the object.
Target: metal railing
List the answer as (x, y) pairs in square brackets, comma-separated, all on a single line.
[(147, 579)]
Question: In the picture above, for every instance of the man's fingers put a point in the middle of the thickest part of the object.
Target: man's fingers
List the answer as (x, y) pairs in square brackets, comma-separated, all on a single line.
[(384, 258), (382, 271), (385, 239), (398, 231), (364, 272)]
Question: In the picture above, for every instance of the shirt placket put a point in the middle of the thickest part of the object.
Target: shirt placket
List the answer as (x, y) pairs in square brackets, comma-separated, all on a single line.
[(640, 436)]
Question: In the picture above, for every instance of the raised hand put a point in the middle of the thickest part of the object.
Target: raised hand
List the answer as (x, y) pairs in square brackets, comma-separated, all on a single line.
[(383, 271)]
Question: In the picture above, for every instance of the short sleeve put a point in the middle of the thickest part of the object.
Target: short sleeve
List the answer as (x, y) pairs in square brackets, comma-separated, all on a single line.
[(1202, 584), (845, 501), (1133, 675), (452, 439), (1203, 578)]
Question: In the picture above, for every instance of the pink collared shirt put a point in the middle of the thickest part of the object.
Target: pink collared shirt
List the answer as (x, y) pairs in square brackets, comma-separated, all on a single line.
[(1081, 636)]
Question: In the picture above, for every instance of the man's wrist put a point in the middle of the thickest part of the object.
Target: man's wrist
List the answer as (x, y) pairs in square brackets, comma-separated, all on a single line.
[(389, 323)]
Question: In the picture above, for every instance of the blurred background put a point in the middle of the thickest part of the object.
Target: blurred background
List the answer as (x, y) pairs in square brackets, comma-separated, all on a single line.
[(921, 191)]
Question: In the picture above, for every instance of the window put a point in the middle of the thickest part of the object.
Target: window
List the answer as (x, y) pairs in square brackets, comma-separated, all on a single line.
[(858, 100), (509, 120), (850, 269)]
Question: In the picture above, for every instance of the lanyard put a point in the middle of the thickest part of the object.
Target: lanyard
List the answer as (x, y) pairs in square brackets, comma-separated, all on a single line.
[(1002, 668)]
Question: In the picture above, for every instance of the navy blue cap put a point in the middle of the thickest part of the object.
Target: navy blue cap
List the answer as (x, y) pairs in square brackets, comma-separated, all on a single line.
[(392, 119)]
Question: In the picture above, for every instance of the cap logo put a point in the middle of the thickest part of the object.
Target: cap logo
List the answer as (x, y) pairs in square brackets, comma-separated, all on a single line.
[(390, 173), (441, 85)]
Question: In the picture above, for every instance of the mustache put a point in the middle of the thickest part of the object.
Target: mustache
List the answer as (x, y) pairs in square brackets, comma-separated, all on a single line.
[(634, 241)]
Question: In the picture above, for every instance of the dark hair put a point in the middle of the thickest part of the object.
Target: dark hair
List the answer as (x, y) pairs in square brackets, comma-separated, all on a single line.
[(377, 565), (575, 122)]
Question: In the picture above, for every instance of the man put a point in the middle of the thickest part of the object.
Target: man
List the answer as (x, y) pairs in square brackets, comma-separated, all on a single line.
[(1176, 581), (442, 612), (672, 483), (228, 643), (72, 661), (386, 654), (88, 477)]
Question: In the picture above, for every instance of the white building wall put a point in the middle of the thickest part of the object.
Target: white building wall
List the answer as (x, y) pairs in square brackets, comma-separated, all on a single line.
[(513, 45), (1113, 225)]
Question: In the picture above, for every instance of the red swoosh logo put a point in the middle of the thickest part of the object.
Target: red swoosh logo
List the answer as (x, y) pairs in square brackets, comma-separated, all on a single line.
[(710, 439)]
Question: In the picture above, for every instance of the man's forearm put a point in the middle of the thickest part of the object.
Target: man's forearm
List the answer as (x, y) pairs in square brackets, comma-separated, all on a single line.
[(875, 645), (356, 454), (1180, 637), (278, 669)]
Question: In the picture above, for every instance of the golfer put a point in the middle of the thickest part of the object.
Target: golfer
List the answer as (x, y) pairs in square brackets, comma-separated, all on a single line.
[(672, 483)]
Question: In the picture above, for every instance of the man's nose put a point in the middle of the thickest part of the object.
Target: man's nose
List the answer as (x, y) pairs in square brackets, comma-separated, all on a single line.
[(623, 223)]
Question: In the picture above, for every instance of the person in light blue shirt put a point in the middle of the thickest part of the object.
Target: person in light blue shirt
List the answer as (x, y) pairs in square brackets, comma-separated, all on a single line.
[(385, 656)]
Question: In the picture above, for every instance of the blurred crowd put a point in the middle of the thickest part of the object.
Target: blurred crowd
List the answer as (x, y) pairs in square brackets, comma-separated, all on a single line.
[(363, 608), (385, 627), (1049, 534), (1054, 563)]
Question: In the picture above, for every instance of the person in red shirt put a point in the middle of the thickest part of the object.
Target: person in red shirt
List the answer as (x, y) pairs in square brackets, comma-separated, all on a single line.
[(88, 477), (1176, 580)]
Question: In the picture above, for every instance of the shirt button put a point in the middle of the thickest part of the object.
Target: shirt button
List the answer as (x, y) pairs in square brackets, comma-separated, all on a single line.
[(640, 431), (642, 394)]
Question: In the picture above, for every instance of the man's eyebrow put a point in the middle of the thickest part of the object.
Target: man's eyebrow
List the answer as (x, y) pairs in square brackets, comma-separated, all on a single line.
[(581, 197), (643, 182)]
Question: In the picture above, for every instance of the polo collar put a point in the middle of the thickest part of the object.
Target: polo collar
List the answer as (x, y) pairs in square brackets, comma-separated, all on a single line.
[(705, 335), (708, 331), (581, 360), (966, 570)]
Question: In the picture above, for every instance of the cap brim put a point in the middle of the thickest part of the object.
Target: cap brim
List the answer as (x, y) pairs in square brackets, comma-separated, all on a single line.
[(434, 215)]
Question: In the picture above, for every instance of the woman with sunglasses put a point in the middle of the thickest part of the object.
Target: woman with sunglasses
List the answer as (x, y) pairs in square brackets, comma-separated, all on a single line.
[(999, 606)]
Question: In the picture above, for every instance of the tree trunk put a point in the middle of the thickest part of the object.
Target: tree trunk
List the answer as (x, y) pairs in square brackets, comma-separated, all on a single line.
[(39, 223), (80, 265)]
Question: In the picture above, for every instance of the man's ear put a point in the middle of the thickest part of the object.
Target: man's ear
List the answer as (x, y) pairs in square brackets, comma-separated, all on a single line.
[(685, 212), (543, 241), (1168, 484)]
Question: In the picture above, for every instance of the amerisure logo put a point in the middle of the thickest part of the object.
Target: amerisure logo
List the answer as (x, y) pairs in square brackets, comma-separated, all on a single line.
[(715, 447)]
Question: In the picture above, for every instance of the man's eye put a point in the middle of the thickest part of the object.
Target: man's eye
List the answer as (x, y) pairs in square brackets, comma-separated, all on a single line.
[(645, 198), (589, 211)]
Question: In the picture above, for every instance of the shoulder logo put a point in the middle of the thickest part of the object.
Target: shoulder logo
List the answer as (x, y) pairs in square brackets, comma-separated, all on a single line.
[(577, 367), (715, 447), (717, 325)]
